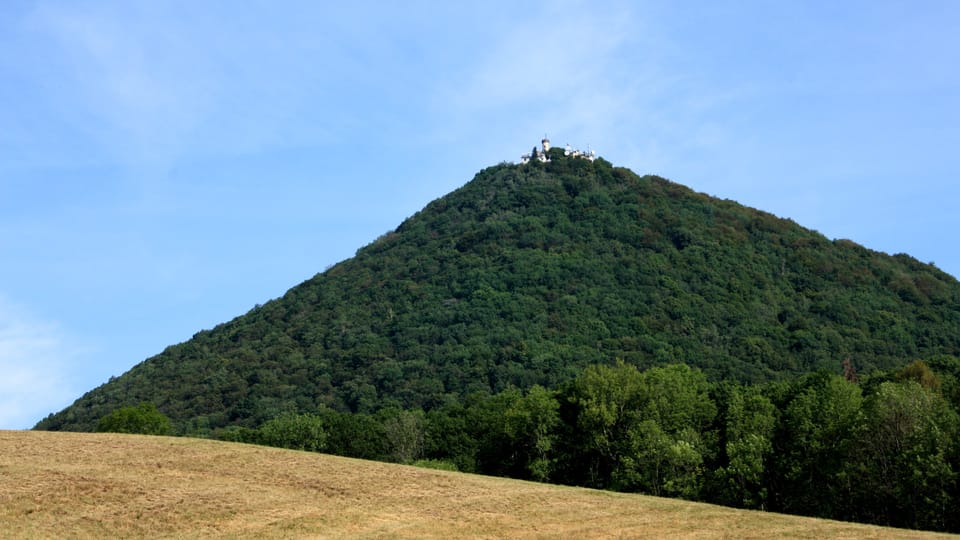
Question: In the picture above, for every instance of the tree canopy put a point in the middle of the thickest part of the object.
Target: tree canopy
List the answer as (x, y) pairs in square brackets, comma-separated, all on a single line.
[(144, 419)]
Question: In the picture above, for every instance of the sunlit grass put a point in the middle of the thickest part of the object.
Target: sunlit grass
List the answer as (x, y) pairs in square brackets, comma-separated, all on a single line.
[(106, 486)]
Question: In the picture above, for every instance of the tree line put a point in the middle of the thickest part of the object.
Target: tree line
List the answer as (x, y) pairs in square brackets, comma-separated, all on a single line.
[(881, 449)]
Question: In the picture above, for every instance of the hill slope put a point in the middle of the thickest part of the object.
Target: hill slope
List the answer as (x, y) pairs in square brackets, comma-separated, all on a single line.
[(529, 273), (110, 486)]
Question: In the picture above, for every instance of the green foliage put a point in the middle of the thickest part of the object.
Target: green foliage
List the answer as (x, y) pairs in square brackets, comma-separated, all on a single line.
[(451, 435), (493, 449), (143, 418), (355, 435), (750, 424), (644, 430), (607, 402), (908, 469), (815, 444), (528, 274), (530, 424), (294, 431), (404, 431), (437, 464), (664, 450)]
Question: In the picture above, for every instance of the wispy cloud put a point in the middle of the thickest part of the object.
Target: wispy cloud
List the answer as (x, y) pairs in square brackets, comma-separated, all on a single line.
[(567, 67), (35, 359), (609, 76), (155, 83), (135, 85)]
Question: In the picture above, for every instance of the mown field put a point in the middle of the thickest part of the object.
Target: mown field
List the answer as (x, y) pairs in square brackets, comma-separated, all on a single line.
[(79, 485)]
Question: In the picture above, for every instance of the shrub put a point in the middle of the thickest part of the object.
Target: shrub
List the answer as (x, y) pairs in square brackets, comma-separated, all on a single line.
[(143, 418), (294, 431)]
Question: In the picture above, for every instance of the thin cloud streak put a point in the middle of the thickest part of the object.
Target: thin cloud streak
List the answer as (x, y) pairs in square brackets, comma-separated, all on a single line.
[(35, 359)]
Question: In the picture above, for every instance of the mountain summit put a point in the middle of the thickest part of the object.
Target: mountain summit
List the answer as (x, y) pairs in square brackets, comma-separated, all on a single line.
[(529, 273)]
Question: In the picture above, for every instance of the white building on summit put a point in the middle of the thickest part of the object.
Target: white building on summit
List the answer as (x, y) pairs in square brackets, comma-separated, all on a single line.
[(589, 154), (543, 155)]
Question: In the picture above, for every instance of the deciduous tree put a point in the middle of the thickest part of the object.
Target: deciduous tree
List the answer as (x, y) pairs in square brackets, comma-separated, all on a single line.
[(143, 418)]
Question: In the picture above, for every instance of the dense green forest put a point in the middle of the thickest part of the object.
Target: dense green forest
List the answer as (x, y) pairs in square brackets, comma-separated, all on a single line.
[(528, 274), (573, 322)]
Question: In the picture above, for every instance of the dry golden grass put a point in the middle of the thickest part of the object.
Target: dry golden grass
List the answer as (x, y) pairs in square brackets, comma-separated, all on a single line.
[(56, 485)]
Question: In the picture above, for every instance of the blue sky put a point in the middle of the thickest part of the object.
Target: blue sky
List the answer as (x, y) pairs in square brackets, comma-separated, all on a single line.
[(165, 166)]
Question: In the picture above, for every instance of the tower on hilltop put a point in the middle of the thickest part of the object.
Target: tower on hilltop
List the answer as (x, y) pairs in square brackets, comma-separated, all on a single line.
[(543, 155)]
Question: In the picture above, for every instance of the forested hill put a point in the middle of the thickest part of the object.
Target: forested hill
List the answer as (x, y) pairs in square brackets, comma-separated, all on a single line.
[(529, 273)]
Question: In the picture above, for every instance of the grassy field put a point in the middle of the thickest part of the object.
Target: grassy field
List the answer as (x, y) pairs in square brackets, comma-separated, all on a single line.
[(56, 485)]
